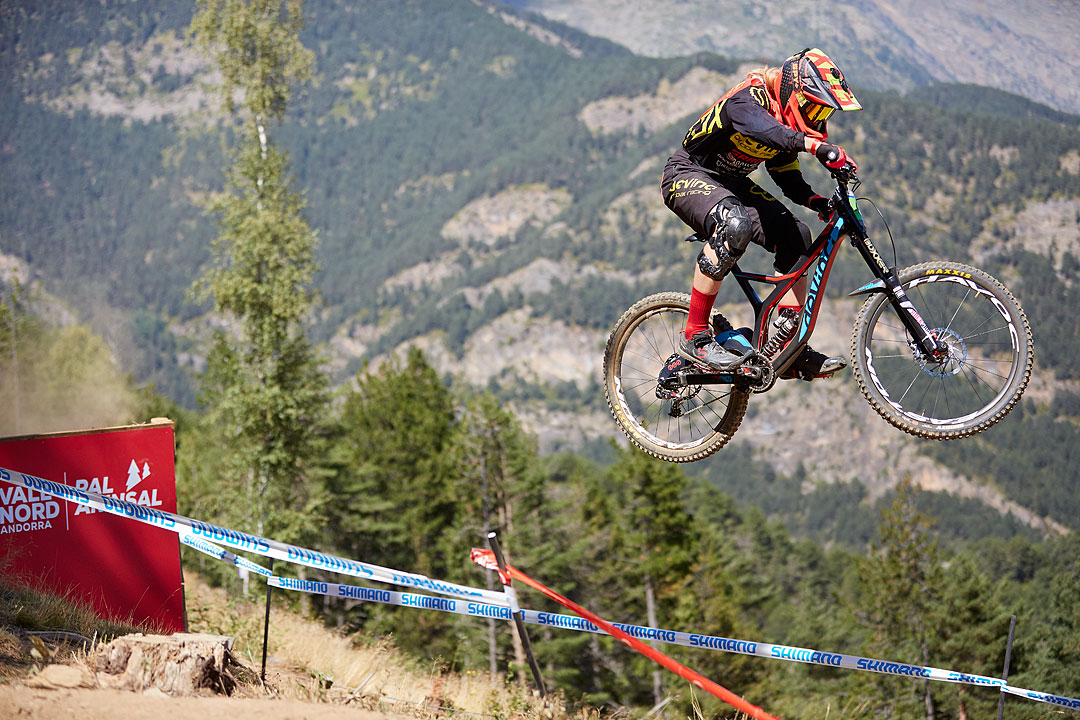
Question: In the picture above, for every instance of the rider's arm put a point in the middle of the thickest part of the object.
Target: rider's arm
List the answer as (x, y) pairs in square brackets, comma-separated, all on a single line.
[(746, 112), (785, 172)]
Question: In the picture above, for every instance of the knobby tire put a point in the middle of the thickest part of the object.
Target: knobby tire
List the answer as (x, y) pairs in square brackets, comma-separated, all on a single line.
[(640, 344), (990, 358)]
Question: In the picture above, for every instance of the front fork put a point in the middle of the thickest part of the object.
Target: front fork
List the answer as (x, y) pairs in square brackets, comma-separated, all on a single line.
[(888, 282), (931, 347)]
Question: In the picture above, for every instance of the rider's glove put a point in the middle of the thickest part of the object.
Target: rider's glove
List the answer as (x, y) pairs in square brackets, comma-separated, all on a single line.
[(820, 205), (832, 156)]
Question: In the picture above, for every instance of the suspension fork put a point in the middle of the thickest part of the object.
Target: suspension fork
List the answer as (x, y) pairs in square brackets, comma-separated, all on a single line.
[(888, 282)]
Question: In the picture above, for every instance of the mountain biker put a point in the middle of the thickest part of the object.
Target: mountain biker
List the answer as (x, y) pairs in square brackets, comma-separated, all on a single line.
[(770, 118)]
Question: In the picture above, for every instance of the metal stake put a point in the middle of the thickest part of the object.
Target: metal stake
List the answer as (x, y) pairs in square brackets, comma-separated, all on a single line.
[(1005, 672), (519, 617), (266, 623)]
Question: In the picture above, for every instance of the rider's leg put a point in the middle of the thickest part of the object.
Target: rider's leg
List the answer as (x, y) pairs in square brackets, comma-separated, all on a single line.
[(792, 241), (730, 231), (704, 202), (702, 296)]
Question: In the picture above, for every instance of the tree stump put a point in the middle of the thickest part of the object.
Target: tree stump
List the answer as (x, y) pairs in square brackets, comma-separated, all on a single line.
[(180, 664)]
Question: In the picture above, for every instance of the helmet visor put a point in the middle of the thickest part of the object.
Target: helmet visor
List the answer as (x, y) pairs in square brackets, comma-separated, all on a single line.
[(815, 114)]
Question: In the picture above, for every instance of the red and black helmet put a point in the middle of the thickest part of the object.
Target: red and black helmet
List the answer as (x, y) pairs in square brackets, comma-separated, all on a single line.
[(810, 88)]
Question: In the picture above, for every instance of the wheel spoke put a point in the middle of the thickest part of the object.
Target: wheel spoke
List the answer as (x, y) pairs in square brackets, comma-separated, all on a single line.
[(987, 360), (638, 351)]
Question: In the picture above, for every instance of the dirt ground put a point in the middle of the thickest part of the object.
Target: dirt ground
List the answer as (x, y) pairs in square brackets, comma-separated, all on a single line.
[(23, 702)]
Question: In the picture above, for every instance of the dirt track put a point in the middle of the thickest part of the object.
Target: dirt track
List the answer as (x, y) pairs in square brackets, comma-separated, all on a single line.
[(18, 702)]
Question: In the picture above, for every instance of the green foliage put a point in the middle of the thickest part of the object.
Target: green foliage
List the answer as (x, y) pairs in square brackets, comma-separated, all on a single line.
[(263, 385), (397, 426), (256, 46), (904, 572), (418, 109)]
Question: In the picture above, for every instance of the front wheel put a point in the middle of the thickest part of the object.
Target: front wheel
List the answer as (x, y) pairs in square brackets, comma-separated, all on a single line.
[(989, 360), (677, 424)]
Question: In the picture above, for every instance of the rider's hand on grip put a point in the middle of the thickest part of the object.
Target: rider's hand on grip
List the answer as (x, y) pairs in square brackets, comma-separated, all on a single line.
[(833, 156), (820, 205)]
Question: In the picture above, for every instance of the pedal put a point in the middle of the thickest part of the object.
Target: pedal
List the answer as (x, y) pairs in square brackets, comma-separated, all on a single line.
[(807, 377)]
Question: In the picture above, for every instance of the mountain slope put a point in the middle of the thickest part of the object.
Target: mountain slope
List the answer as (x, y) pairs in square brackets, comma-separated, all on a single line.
[(1026, 47), (489, 193)]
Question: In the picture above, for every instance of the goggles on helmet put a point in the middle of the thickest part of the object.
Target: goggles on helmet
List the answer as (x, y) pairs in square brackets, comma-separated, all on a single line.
[(809, 89), (816, 114)]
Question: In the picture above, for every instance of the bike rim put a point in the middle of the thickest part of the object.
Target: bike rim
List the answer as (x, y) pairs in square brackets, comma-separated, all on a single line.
[(650, 343), (982, 365)]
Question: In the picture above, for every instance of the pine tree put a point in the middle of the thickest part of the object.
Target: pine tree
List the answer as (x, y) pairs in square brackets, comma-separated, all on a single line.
[(658, 538), (395, 489), (395, 502), (500, 489), (971, 627), (903, 577), (263, 385), (1053, 668)]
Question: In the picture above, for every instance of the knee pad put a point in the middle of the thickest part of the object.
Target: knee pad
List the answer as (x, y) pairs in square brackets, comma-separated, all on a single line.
[(733, 226), (724, 262)]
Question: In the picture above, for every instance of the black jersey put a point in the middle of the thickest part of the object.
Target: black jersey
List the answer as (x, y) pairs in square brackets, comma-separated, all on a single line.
[(739, 133)]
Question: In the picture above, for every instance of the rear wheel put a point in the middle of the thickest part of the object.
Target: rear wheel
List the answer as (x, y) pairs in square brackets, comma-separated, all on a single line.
[(677, 424), (983, 375)]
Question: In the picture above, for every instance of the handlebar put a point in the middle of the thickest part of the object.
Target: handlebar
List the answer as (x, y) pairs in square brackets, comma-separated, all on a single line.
[(844, 175)]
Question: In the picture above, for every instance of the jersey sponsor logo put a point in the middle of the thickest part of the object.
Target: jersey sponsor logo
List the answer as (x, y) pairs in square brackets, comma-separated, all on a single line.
[(733, 164), (709, 122), (761, 97), (762, 192), (753, 148)]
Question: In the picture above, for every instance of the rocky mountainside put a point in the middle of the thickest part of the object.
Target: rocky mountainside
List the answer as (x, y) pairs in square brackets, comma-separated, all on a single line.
[(1028, 48), (490, 195)]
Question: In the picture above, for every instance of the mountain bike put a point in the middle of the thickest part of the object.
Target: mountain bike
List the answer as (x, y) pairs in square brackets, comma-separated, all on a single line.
[(940, 350)]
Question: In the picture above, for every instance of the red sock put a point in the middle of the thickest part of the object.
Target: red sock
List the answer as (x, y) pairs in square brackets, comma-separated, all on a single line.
[(700, 307)]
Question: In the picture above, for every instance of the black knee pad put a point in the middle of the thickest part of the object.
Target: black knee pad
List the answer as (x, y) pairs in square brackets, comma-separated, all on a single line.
[(724, 262), (732, 226)]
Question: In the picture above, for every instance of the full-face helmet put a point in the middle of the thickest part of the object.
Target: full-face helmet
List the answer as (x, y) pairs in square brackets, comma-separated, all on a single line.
[(810, 88)]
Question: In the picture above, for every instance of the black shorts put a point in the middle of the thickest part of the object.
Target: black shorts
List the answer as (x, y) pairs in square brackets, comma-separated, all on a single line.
[(691, 192)]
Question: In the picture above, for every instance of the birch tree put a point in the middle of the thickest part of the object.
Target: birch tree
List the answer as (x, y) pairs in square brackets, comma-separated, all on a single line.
[(263, 386)]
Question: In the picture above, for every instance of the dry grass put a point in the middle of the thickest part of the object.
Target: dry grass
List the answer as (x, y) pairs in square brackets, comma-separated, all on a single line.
[(38, 627), (308, 662)]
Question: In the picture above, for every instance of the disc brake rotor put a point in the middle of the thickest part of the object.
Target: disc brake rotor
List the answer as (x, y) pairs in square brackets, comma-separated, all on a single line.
[(954, 360)]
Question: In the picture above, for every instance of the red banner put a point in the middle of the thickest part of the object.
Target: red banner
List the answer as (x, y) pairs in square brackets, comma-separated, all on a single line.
[(125, 570)]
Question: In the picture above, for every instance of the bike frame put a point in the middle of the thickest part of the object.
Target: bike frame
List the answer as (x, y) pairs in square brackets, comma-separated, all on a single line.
[(816, 265)]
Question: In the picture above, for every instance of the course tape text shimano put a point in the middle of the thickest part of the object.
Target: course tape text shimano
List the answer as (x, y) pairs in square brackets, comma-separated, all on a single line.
[(711, 642), (464, 600)]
